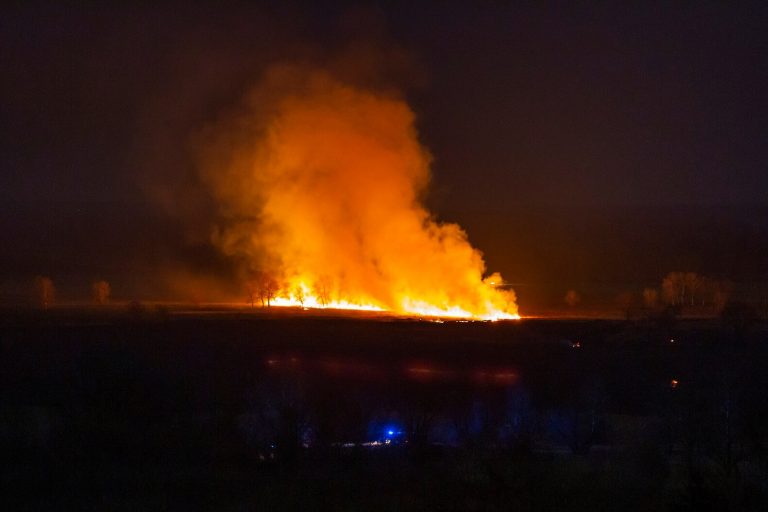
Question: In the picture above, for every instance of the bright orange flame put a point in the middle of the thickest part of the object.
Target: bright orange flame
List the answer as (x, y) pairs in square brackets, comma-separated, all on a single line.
[(320, 186)]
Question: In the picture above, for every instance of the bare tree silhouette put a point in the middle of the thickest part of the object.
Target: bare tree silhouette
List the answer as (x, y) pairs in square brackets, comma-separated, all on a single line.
[(572, 298), (100, 292), (45, 292), (323, 290)]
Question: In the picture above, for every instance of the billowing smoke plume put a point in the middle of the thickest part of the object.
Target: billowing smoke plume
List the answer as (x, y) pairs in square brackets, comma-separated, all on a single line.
[(319, 184)]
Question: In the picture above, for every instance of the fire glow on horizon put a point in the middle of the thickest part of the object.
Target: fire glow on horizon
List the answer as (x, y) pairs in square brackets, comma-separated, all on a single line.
[(319, 185), (410, 308)]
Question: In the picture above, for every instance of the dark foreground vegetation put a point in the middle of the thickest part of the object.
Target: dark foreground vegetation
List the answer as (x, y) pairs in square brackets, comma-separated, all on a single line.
[(164, 410)]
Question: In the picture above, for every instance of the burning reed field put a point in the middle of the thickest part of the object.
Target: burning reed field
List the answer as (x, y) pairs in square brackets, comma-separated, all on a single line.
[(221, 409), (363, 255)]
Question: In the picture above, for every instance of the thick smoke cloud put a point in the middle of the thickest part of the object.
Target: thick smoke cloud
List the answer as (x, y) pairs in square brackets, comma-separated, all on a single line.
[(319, 183)]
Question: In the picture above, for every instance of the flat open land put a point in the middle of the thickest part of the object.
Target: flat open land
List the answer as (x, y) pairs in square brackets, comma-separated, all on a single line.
[(170, 409)]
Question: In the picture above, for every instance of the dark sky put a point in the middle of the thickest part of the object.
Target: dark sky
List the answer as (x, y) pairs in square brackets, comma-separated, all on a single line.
[(595, 147)]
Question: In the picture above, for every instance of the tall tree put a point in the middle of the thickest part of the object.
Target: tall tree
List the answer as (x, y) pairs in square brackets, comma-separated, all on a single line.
[(100, 291), (45, 292)]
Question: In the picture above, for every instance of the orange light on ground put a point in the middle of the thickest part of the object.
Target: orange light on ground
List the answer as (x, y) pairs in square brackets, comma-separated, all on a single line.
[(425, 372), (495, 376)]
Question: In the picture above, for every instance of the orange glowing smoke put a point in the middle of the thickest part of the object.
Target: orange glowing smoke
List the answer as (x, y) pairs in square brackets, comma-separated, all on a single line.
[(319, 185)]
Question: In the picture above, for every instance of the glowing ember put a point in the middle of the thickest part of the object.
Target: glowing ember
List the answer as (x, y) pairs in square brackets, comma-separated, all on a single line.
[(320, 186)]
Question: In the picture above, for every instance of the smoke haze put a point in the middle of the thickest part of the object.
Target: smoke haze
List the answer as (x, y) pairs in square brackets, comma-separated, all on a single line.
[(320, 181), (594, 149)]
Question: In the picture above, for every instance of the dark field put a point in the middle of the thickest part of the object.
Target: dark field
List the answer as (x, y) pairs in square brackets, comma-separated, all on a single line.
[(226, 410)]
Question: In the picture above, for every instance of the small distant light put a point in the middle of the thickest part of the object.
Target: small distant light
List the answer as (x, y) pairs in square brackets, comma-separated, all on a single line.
[(673, 383), (671, 340), (391, 432)]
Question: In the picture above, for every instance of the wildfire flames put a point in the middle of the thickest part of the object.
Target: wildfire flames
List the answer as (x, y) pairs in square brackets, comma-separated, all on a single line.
[(319, 185)]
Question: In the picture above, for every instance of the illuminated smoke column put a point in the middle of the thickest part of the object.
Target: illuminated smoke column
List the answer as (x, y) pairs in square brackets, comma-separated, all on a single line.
[(319, 185)]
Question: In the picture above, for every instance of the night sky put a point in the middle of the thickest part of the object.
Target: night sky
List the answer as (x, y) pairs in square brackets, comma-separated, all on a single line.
[(590, 147)]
